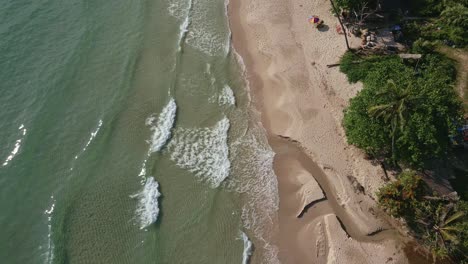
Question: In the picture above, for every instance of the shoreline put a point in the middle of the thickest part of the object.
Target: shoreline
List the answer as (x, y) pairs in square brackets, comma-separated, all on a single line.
[(290, 93)]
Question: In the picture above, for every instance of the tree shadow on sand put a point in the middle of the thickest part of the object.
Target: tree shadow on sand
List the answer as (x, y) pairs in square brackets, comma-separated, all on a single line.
[(324, 28)]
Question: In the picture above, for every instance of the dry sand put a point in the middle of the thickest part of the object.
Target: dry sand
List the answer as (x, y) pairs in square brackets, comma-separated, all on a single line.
[(301, 102)]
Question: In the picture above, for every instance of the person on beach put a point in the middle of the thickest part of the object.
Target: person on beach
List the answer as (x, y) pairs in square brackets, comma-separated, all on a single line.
[(316, 21)]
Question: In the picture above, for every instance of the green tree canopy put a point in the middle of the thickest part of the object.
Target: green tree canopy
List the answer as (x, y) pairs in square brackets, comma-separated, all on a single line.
[(403, 113), (354, 4)]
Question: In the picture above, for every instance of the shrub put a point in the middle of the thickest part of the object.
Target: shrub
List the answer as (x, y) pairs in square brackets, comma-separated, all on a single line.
[(358, 67), (354, 4), (401, 196), (455, 15), (448, 25), (422, 46)]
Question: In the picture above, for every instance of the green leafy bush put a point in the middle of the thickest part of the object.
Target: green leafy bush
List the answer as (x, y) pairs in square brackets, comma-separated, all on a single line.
[(358, 67), (432, 7), (400, 197), (448, 23), (354, 4), (455, 15), (422, 46)]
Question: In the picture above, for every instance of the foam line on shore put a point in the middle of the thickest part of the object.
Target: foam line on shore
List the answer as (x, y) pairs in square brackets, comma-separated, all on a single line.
[(257, 181)]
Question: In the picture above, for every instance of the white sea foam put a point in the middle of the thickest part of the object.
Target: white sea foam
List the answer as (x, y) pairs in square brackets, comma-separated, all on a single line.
[(247, 248), (227, 96), (227, 47), (49, 255), (17, 146), (179, 9), (203, 151), (148, 207), (185, 25), (252, 160), (183, 31), (206, 35), (214, 97), (143, 169), (162, 126)]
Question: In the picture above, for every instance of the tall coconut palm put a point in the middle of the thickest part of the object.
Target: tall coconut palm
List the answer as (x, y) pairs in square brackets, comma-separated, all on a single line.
[(441, 227), (395, 111), (341, 23)]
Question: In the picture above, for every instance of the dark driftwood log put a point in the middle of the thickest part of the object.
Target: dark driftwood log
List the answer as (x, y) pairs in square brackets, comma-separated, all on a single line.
[(338, 64)]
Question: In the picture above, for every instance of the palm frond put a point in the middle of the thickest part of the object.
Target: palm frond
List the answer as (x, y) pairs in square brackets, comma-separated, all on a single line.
[(447, 236), (454, 217)]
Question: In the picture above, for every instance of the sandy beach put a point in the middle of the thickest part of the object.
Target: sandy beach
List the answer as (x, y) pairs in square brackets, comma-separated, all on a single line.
[(328, 212)]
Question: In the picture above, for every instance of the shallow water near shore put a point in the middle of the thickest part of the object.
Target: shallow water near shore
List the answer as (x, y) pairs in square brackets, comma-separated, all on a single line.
[(127, 136)]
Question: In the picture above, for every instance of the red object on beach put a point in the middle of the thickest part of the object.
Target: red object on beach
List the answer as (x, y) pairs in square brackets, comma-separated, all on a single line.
[(339, 29)]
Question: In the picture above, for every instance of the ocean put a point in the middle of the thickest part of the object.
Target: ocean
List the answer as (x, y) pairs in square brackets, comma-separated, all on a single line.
[(127, 136)]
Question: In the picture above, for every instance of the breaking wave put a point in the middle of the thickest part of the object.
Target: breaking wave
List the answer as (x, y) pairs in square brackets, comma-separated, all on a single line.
[(162, 126), (203, 151), (227, 96), (148, 207), (90, 140), (248, 247), (143, 169), (93, 135), (15, 150)]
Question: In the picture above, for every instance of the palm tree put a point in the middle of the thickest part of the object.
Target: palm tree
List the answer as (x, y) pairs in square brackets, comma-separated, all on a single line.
[(341, 23), (441, 228), (396, 110)]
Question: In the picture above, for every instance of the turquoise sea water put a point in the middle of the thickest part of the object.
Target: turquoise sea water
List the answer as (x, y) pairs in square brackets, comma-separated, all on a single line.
[(126, 136)]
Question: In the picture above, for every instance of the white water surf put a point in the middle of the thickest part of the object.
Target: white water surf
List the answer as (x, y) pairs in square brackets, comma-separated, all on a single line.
[(162, 126), (227, 96), (203, 151), (49, 255), (148, 205), (248, 247), (15, 150)]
